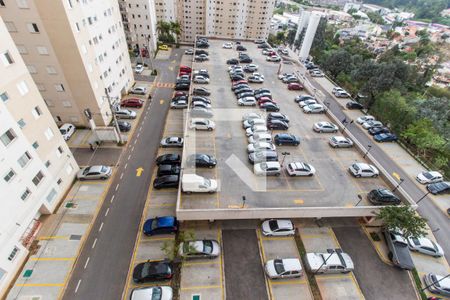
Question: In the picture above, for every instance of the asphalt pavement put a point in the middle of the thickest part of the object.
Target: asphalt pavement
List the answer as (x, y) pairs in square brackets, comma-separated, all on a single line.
[(377, 280), (102, 266), (437, 221)]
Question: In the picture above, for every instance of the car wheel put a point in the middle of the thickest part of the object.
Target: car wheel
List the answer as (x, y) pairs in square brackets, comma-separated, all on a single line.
[(103, 178), (277, 174), (81, 179), (358, 176), (320, 131), (375, 176), (209, 129), (310, 175)]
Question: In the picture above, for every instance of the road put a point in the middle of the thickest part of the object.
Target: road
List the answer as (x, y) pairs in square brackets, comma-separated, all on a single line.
[(388, 283), (438, 222), (101, 269)]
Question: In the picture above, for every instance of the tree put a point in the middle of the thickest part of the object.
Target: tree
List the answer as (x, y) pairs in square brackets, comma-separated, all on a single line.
[(403, 218), (437, 110), (319, 43), (171, 248), (423, 135), (175, 29), (164, 31), (290, 37), (376, 18)]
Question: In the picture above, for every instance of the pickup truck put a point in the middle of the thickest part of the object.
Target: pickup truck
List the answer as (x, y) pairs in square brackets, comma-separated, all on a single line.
[(398, 250)]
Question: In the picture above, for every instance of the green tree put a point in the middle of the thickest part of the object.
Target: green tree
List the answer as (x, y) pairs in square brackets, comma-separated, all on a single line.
[(424, 137), (175, 29), (437, 110), (290, 37), (171, 248), (280, 37), (404, 218), (376, 18), (164, 32)]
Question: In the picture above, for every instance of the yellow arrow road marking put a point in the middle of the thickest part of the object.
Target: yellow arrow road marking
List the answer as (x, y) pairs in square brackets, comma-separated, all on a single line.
[(139, 171), (299, 201), (161, 101), (396, 175), (171, 68)]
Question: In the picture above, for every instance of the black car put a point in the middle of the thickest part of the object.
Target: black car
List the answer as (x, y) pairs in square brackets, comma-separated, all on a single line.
[(442, 187), (201, 160), (383, 197), (238, 86), (124, 126), (182, 87), (277, 125), (152, 271), (166, 181), (202, 45), (263, 46), (183, 81), (261, 90), (237, 77), (201, 51), (168, 159), (168, 170), (245, 60), (270, 106), (277, 116), (244, 94), (354, 105), (243, 89), (285, 139), (378, 130), (232, 61), (243, 55), (201, 92), (241, 48), (302, 98)]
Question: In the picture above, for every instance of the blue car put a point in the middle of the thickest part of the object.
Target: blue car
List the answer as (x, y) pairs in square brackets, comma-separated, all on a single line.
[(161, 225), (385, 137), (286, 139)]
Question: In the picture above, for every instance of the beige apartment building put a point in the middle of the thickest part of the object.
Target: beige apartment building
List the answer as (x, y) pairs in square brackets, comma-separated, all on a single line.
[(74, 50), (36, 166)]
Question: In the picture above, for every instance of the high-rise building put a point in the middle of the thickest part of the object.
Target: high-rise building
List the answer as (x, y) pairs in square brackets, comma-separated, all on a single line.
[(36, 166), (74, 50)]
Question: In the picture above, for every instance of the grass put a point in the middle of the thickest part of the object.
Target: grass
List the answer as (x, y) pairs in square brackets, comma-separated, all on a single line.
[(375, 236), (418, 284)]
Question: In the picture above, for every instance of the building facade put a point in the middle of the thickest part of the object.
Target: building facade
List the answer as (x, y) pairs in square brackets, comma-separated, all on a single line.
[(74, 50), (36, 166)]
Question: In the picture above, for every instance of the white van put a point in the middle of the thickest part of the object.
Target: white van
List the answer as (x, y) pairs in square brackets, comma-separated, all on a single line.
[(192, 183)]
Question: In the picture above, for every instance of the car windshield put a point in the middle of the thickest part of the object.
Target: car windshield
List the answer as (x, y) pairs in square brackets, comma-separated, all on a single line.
[(427, 175), (207, 182), (154, 224), (104, 169), (273, 224), (356, 167), (307, 167), (63, 131), (263, 166), (156, 293), (207, 246), (86, 170), (278, 264)]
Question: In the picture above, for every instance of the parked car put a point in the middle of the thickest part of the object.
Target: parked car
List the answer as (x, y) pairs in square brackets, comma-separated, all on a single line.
[(232, 61), (201, 99), (125, 114), (262, 156), (255, 79), (341, 93), (67, 130), (437, 284), (202, 124), (382, 196), (307, 102), (278, 116), (251, 122), (245, 60), (179, 104), (227, 46), (316, 73), (172, 141), (378, 130), (354, 105), (291, 79), (340, 142), (325, 127), (277, 125), (132, 102), (283, 268), (138, 90), (168, 159), (94, 172), (425, 246), (124, 126), (255, 129), (363, 170), (285, 139), (398, 249), (182, 87), (250, 68), (426, 177), (201, 112), (199, 249), (269, 168), (166, 181), (247, 101), (189, 52), (314, 109), (240, 48), (364, 119), (201, 57), (270, 106), (277, 227), (200, 104), (295, 86), (385, 137), (285, 75), (201, 80), (371, 124), (333, 262), (260, 146), (259, 137), (161, 225), (168, 170), (152, 271), (262, 91), (152, 292), (139, 68), (259, 41), (300, 169), (302, 98), (436, 188), (201, 91), (201, 160), (274, 58)]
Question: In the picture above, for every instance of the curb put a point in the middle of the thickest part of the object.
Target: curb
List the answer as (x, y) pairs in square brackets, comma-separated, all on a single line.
[(380, 254)]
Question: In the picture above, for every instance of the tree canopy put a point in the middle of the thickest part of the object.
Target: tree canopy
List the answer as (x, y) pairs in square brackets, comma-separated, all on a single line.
[(404, 218)]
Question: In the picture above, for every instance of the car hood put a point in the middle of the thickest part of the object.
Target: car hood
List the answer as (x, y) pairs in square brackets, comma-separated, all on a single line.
[(137, 272), (270, 269), (314, 261), (265, 227), (422, 178), (148, 225)]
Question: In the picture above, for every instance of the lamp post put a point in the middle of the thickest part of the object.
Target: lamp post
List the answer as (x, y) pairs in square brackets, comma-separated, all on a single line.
[(331, 251), (346, 123), (243, 201), (284, 156), (360, 199), (399, 184), (368, 150), (423, 197)]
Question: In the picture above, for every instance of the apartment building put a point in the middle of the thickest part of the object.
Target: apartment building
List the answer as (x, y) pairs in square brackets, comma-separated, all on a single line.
[(74, 50), (139, 23), (36, 166)]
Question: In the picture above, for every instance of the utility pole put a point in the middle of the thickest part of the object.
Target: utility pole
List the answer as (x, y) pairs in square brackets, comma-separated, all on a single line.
[(113, 111)]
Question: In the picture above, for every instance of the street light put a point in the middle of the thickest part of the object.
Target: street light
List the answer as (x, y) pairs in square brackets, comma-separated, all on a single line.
[(368, 150), (284, 156), (399, 184), (423, 197), (346, 123), (331, 251), (243, 201), (360, 199)]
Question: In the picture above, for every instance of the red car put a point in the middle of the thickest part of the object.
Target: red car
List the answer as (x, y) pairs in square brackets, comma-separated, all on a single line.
[(264, 100), (185, 69), (177, 94), (295, 86), (183, 73), (239, 82), (261, 104), (132, 102)]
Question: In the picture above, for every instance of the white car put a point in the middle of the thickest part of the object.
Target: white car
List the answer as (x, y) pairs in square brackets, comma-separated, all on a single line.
[(258, 75), (256, 129), (437, 284), (139, 68), (300, 169), (426, 177), (259, 137), (200, 104), (274, 58), (340, 142), (152, 292), (336, 89), (425, 246), (342, 94), (200, 79), (364, 119), (255, 79), (277, 227), (189, 52), (235, 68), (268, 168), (283, 268), (227, 46), (307, 102), (251, 67), (329, 263), (125, 114), (138, 90), (67, 130), (202, 124), (249, 123), (285, 75), (314, 109), (259, 146), (363, 170), (249, 116), (325, 127), (247, 101), (316, 73), (373, 123), (94, 172)]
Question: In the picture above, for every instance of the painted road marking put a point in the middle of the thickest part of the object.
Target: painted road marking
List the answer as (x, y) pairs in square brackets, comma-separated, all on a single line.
[(107, 211), (396, 175), (39, 284), (93, 244), (51, 258), (78, 285), (87, 262), (201, 287), (121, 175), (299, 201), (112, 198), (139, 171), (129, 156), (126, 165), (101, 226), (53, 237), (161, 101), (117, 187)]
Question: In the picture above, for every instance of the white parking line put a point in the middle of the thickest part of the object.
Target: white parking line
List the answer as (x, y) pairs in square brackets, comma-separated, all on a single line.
[(135, 142), (93, 244), (138, 134), (87, 262), (117, 187), (140, 128), (101, 226), (132, 149), (126, 165), (112, 198), (107, 211), (78, 285), (121, 175), (129, 156)]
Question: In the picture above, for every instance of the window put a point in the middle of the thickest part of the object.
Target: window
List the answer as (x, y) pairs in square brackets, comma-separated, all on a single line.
[(13, 254), (49, 134), (35, 145), (51, 196), (51, 70), (2, 3), (6, 58), (42, 50), (70, 3), (24, 159), (33, 28), (67, 104), (22, 49), (41, 87), (10, 26), (59, 151), (37, 112), (22, 3), (77, 26), (21, 123), (59, 87), (22, 87), (38, 178), (8, 137), (59, 181), (31, 69), (9, 176), (4, 96), (25, 194), (48, 164)]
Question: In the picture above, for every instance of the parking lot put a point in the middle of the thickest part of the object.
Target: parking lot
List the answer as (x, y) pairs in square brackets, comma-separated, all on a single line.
[(331, 186)]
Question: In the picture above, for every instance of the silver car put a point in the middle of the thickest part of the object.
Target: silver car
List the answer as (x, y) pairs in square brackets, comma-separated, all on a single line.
[(425, 246), (325, 127), (94, 172), (125, 114), (199, 249), (437, 284), (172, 141), (340, 142)]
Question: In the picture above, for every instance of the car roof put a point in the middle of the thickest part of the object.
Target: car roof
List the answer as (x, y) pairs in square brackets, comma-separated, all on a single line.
[(271, 164), (66, 126), (283, 223), (166, 221), (291, 264), (323, 123), (300, 165), (95, 168), (433, 173), (364, 166), (423, 241), (285, 135), (340, 138)]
